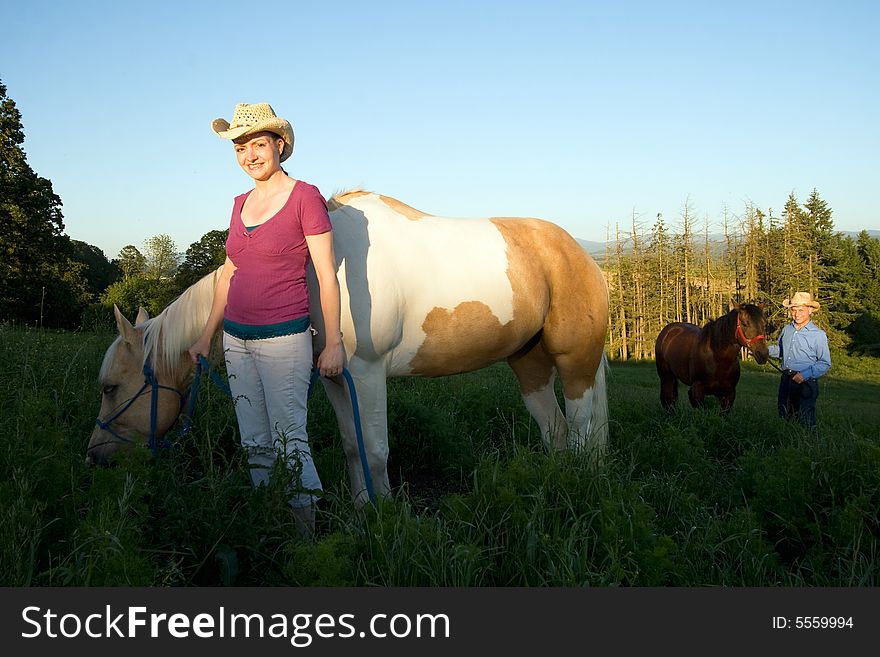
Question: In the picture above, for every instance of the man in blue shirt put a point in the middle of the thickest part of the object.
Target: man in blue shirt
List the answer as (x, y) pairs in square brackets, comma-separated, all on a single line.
[(803, 348)]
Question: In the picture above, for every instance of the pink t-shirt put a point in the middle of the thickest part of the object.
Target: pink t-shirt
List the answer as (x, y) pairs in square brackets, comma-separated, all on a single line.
[(269, 283)]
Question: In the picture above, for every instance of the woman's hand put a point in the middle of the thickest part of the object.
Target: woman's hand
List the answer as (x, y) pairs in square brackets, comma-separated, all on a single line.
[(202, 347), (331, 360)]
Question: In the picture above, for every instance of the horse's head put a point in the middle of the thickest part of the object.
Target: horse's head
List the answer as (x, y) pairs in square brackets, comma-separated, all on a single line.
[(129, 385), (751, 329)]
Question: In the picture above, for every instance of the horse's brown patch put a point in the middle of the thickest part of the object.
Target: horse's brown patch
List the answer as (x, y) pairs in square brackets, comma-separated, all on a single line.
[(464, 339), (402, 208), (339, 200), (547, 264), (548, 273), (533, 368)]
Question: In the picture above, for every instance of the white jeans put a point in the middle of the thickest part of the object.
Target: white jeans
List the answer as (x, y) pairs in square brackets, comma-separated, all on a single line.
[(269, 381)]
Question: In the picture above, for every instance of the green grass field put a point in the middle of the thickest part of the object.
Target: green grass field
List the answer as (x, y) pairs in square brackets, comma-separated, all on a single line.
[(684, 499)]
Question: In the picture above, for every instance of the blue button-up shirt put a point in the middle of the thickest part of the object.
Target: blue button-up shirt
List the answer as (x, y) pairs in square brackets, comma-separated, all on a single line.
[(804, 350)]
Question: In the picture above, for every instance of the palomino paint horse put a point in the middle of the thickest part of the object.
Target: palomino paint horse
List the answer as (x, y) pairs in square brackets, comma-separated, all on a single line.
[(707, 359), (421, 296)]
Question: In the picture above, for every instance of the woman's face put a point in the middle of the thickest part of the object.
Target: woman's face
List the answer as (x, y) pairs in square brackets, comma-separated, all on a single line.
[(259, 155)]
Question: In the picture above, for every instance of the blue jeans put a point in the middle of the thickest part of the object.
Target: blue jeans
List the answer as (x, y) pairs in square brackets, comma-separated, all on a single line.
[(798, 400), (269, 381)]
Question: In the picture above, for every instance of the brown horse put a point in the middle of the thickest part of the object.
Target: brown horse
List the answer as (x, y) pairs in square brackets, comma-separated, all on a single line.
[(707, 359)]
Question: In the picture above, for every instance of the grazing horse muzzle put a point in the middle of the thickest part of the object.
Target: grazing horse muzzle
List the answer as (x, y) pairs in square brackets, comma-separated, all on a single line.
[(98, 452)]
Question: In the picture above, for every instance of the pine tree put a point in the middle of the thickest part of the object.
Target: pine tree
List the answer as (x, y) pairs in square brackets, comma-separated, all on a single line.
[(831, 261), (638, 306), (746, 258), (767, 253), (683, 260), (621, 297), (660, 251), (818, 240), (865, 327), (796, 273)]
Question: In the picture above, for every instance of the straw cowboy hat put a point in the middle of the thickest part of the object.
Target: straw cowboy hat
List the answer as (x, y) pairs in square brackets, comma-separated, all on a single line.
[(801, 299), (250, 119)]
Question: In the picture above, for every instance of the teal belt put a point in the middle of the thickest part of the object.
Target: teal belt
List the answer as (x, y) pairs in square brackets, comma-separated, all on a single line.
[(263, 331)]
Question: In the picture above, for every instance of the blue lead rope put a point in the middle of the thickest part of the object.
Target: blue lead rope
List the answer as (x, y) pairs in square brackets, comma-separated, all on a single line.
[(203, 366), (368, 479)]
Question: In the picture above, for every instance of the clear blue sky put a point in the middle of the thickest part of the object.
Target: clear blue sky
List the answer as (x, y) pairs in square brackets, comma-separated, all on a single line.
[(580, 112)]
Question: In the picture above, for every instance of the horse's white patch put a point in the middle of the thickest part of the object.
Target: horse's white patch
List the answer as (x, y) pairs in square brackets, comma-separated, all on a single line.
[(435, 262), (544, 408)]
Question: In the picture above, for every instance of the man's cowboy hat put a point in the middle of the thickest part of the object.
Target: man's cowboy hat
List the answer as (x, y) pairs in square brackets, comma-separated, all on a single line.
[(250, 119), (801, 299)]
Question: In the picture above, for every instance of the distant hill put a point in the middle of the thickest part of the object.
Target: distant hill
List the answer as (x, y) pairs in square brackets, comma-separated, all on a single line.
[(597, 249), (855, 233)]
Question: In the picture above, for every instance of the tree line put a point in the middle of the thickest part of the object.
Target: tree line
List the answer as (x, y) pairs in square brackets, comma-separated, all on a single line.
[(655, 275), (48, 279), (155, 277)]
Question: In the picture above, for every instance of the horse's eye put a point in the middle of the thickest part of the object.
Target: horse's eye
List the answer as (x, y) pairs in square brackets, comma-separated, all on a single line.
[(109, 390)]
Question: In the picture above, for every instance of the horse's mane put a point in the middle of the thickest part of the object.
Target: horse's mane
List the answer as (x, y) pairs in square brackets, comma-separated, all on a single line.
[(171, 332), (721, 331), (340, 199)]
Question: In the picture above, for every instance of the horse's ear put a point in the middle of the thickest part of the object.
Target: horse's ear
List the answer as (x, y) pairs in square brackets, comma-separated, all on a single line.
[(142, 316), (126, 330)]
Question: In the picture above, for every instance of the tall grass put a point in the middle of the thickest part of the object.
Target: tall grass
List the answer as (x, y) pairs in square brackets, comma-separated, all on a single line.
[(686, 498)]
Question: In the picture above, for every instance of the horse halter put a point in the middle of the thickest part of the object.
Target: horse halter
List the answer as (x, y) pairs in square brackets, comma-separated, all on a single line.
[(151, 382), (740, 334)]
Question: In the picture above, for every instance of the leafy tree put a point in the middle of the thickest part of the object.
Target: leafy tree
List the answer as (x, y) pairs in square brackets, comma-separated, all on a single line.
[(136, 291), (160, 255), (99, 272), (39, 281), (202, 257), (131, 261)]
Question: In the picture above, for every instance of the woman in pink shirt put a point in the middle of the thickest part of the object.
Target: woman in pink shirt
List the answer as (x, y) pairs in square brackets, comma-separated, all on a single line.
[(262, 302)]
